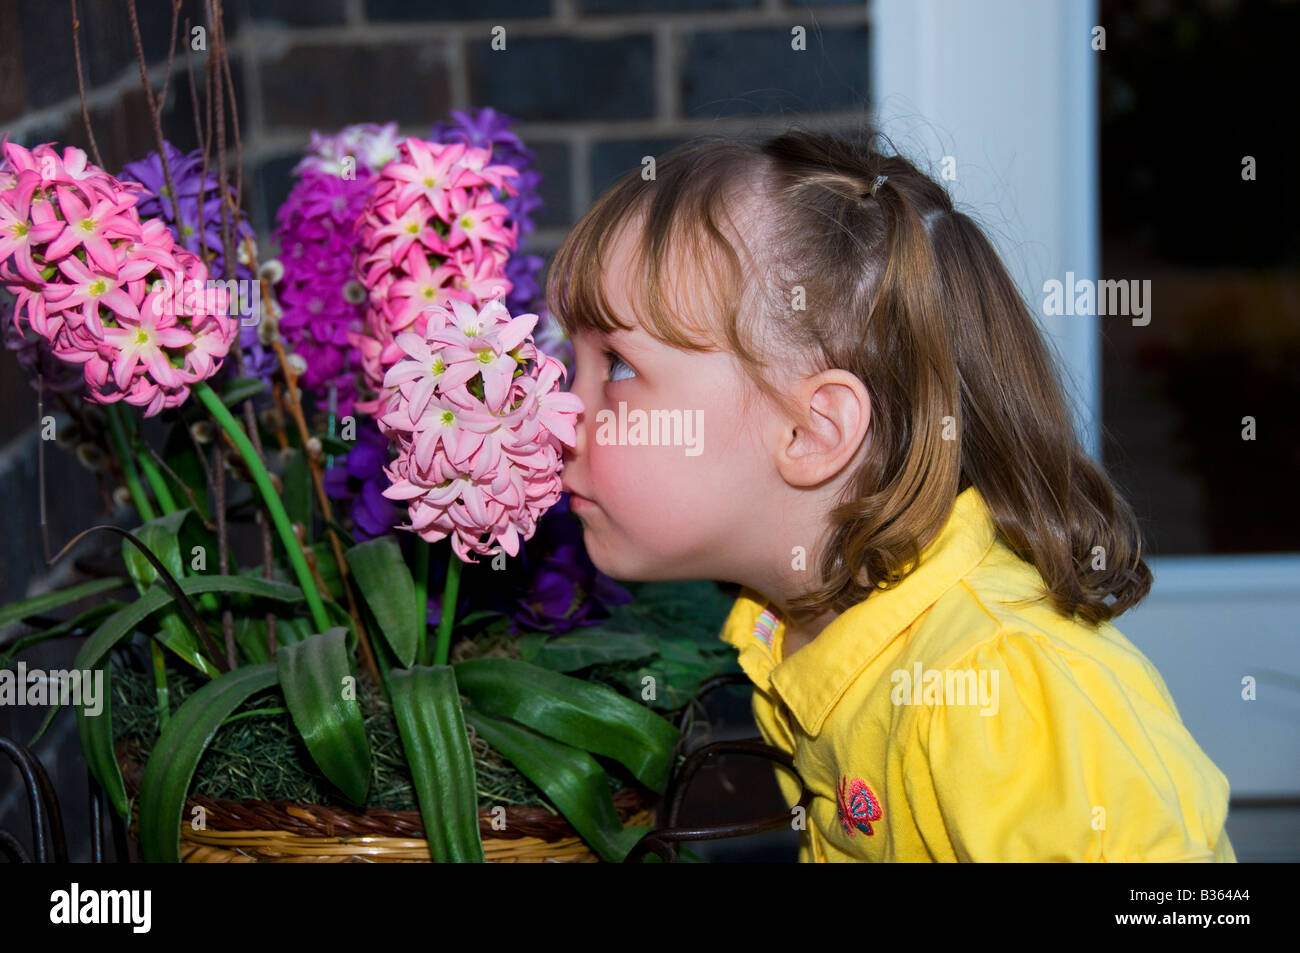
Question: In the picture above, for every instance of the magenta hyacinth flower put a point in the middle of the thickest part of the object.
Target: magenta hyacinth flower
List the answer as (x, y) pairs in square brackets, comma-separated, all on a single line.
[(478, 422), (104, 290), (322, 302)]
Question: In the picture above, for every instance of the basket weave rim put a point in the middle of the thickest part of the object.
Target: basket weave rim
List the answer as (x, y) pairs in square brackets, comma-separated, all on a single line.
[(330, 821)]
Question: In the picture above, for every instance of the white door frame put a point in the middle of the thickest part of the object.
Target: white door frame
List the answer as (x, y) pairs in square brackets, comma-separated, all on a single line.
[(1007, 88)]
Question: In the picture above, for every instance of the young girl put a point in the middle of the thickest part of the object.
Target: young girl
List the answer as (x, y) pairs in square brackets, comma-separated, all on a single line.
[(886, 465)]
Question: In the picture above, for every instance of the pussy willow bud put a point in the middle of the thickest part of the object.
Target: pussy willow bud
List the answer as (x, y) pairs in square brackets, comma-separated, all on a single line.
[(269, 418), (313, 447), (272, 271), (297, 364), (268, 329), (122, 496), (90, 456), (67, 435), (354, 292), (202, 430), (94, 418)]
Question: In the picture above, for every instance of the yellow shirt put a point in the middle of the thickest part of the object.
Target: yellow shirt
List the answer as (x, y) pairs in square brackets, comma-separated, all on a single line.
[(933, 722)]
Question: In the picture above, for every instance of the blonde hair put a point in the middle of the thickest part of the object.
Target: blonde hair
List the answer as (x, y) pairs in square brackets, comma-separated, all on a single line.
[(905, 292)]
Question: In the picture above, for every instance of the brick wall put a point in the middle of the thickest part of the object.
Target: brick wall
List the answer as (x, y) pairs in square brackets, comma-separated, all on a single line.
[(594, 85)]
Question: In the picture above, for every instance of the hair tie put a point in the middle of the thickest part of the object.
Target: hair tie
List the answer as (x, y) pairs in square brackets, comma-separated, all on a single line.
[(880, 180)]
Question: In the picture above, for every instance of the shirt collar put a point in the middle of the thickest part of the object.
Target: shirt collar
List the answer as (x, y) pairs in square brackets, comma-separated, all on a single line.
[(814, 679)]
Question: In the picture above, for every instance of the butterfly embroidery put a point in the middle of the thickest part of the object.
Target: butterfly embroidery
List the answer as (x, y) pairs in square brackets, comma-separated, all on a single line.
[(859, 806)]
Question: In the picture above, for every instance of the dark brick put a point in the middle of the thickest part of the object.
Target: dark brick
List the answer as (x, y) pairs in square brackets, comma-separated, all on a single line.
[(328, 87), (562, 78), (46, 37), (455, 9), (826, 3), (609, 160), (72, 503), (16, 393), (123, 130), (35, 135), (755, 72), (13, 85), (661, 6), (178, 111), (272, 180), (556, 188), (106, 44), (294, 12), (156, 25)]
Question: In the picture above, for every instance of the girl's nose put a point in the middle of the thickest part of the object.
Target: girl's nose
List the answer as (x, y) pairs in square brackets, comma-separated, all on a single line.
[(579, 443)]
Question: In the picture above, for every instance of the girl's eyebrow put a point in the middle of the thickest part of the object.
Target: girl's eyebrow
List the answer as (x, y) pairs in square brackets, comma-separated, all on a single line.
[(624, 338)]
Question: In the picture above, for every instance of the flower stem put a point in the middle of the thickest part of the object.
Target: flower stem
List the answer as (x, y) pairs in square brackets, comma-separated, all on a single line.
[(447, 618), (166, 502), (422, 599), (257, 469), (118, 434)]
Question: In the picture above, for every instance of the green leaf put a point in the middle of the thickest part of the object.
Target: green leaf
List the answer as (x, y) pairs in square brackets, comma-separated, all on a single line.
[(98, 744), (297, 491), (593, 646), (123, 623), (335, 446), (250, 636), (177, 637), (531, 645), (96, 733), (181, 745), (182, 459), (241, 388), (316, 675), (38, 605), (328, 568), (389, 591), (571, 779), (83, 621), (586, 716), (426, 704), (162, 536), (291, 631)]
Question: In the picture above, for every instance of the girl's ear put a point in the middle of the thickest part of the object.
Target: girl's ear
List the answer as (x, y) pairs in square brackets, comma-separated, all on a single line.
[(826, 430)]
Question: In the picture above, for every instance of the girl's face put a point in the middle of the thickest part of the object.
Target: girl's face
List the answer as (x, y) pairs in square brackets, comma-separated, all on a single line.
[(679, 509)]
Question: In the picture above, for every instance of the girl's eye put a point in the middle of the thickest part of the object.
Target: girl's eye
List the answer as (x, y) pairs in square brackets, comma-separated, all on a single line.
[(614, 362)]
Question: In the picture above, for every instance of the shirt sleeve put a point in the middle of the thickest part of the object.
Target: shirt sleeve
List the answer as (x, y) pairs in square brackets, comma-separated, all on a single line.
[(1068, 763)]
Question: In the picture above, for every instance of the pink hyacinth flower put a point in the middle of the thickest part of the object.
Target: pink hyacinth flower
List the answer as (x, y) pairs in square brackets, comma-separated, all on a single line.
[(470, 468), (96, 283)]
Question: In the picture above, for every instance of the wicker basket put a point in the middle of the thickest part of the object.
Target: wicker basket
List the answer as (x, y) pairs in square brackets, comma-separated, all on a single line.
[(284, 832)]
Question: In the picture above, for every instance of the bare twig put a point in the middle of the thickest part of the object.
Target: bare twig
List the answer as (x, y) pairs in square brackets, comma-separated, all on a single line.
[(277, 398), (223, 556), (234, 117), (40, 460), (264, 523), (194, 93), (194, 503), (154, 117), (171, 53), (81, 86), (294, 402), (215, 57)]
